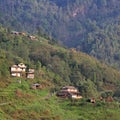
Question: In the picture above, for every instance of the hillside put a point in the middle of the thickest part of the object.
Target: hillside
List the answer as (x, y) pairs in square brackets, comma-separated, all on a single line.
[(59, 65), (55, 67), (90, 26)]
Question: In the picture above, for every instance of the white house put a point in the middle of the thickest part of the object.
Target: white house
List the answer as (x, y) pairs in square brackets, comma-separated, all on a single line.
[(20, 71), (22, 67), (30, 73), (17, 70), (69, 92)]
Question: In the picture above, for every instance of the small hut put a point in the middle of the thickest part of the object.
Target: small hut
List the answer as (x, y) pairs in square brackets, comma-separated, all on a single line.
[(35, 86)]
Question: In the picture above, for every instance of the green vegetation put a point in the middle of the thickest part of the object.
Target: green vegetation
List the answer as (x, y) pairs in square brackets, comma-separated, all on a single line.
[(91, 26), (55, 67), (30, 104)]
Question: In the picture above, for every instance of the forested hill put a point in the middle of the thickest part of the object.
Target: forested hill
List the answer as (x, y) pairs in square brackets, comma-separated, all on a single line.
[(55, 64), (54, 67), (92, 26)]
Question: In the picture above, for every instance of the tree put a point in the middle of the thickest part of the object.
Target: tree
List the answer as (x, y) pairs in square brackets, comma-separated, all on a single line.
[(107, 94), (88, 89), (38, 65)]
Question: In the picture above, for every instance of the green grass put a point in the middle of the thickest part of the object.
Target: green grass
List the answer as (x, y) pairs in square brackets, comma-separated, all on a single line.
[(88, 111), (39, 104)]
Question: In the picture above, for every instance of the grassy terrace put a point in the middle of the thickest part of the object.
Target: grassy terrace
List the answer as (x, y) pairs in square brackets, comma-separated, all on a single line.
[(22, 103)]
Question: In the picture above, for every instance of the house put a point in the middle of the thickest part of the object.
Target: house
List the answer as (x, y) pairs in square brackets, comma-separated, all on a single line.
[(18, 33), (69, 92), (70, 89), (15, 71), (22, 67), (74, 96), (32, 37), (35, 86), (30, 73), (62, 94), (15, 68), (16, 74), (91, 100), (15, 32), (18, 70)]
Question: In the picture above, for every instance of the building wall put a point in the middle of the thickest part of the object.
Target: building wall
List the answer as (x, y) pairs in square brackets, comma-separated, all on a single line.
[(15, 69), (30, 76), (16, 74), (20, 71)]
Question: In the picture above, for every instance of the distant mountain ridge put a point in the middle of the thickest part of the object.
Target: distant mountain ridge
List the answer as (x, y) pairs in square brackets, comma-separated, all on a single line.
[(90, 26)]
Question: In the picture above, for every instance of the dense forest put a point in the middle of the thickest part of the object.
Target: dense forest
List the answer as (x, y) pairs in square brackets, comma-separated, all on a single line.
[(91, 26)]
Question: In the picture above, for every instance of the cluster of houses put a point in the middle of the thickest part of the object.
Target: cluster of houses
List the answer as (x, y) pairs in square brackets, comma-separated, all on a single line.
[(21, 70), (69, 92), (73, 93), (24, 34)]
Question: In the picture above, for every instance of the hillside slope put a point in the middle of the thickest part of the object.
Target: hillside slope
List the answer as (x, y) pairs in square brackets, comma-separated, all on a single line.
[(54, 63), (54, 67)]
